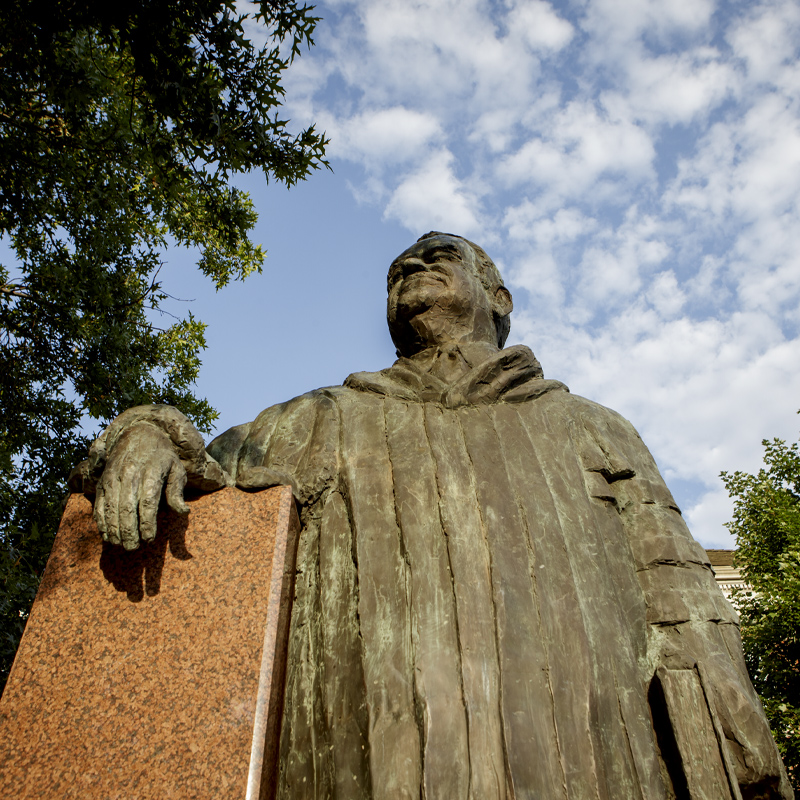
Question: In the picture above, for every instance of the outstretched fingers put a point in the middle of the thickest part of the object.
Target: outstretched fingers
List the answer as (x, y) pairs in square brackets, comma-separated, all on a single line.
[(149, 497), (128, 507), (110, 486), (175, 486), (99, 512)]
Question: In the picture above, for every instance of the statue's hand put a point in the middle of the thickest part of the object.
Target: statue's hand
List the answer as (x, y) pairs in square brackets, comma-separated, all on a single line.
[(142, 464), (143, 451), (747, 734), (735, 712)]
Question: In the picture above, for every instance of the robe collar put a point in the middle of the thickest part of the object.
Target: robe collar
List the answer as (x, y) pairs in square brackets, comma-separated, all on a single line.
[(512, 375)]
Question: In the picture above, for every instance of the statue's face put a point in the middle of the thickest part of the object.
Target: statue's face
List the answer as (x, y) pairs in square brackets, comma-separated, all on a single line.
[(434, 286)]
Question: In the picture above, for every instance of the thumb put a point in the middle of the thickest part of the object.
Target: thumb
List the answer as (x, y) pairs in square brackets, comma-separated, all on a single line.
[(175, 485)]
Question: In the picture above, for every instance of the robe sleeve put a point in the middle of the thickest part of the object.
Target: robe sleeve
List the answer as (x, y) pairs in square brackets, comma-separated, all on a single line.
[(673, 569), (226, 447), (695, 638), (293, 443)]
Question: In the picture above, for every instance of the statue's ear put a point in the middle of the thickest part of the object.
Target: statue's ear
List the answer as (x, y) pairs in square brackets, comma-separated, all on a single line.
[(502, 304)]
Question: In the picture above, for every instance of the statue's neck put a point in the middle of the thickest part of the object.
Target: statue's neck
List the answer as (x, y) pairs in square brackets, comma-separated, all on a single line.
[(450, 360)]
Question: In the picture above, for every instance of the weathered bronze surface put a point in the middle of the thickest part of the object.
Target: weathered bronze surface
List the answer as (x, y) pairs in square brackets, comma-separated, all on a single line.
[(496, 596)]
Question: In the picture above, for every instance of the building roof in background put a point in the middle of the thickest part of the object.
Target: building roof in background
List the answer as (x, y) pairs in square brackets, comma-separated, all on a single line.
[(728, 577), (721, 558)]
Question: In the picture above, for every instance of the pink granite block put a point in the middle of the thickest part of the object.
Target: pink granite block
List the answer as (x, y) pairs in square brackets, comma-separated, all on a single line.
[(156, 674)]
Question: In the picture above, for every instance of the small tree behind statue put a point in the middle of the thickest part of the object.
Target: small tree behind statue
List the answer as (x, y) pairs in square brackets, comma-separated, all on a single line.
[(766, 522)]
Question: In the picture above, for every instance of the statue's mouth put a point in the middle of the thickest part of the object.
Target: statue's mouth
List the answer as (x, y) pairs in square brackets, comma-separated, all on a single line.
[(423, 273)]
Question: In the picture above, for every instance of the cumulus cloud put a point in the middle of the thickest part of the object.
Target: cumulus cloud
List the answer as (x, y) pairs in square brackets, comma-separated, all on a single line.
[(765, 39), (538, 26), (434, 197), (581, 145), (620, 27), (673, 88), (526, 221), (382, 138)]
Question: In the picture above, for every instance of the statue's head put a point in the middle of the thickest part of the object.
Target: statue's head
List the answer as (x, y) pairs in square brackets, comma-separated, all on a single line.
[(445, 288)]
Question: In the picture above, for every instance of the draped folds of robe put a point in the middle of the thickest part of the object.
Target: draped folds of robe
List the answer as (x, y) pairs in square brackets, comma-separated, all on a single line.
[(486, 577)]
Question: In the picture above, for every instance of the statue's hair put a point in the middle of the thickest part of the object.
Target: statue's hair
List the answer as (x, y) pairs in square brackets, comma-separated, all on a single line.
[(490, 278)]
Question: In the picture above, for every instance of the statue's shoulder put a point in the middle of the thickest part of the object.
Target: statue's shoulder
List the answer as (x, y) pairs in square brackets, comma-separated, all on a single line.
[(310, 402), (299, 410), (603, 435), (590, 411)]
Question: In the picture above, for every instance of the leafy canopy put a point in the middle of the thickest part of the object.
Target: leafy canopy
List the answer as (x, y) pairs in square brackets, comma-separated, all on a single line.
[(120, 126), (766, 522)]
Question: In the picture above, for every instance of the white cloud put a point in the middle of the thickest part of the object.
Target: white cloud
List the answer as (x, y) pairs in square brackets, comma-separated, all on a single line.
[(433, 197), (565, 225), (602, 274), (577, 147), (674, 88), (538, 25), (383, 137), (442, 53), (665, 295), (620, 25), (705, 515), (766, 40)]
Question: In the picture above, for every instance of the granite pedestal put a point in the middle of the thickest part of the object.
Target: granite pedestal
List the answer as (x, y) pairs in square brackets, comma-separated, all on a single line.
[(159, 673)]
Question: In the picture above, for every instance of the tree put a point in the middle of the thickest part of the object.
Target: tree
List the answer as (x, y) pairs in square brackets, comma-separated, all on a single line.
[(120, 126), (766, 522)]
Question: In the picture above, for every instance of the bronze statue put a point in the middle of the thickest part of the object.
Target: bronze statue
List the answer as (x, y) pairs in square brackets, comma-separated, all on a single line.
[(496, 594)]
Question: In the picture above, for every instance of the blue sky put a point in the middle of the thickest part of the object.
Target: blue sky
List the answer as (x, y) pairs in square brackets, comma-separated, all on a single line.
[(633, 167)]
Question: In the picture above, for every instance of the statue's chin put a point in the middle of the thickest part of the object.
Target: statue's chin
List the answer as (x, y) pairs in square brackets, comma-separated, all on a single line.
[(410, 304), (406, 335), (416, 299)]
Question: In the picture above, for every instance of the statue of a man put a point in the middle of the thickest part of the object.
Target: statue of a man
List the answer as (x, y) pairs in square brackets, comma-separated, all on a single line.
[(496, 594)]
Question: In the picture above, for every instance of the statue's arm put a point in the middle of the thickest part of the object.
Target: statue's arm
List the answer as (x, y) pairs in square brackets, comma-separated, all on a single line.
[(290, 444), (695, 634), (692, 625), (242, 452), (226, 448)]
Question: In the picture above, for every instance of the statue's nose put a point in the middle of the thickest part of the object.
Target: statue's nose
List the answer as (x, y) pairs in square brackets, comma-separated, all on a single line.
[(412, 265)]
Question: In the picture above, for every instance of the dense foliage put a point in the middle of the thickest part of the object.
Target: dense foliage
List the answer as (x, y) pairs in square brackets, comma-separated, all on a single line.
[(766, 522), (120, 126)]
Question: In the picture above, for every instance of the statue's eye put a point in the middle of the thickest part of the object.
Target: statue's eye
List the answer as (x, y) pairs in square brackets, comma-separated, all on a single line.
[(444, 252)]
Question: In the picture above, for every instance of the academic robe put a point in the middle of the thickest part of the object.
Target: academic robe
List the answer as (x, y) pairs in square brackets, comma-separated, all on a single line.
[(489, 576)]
